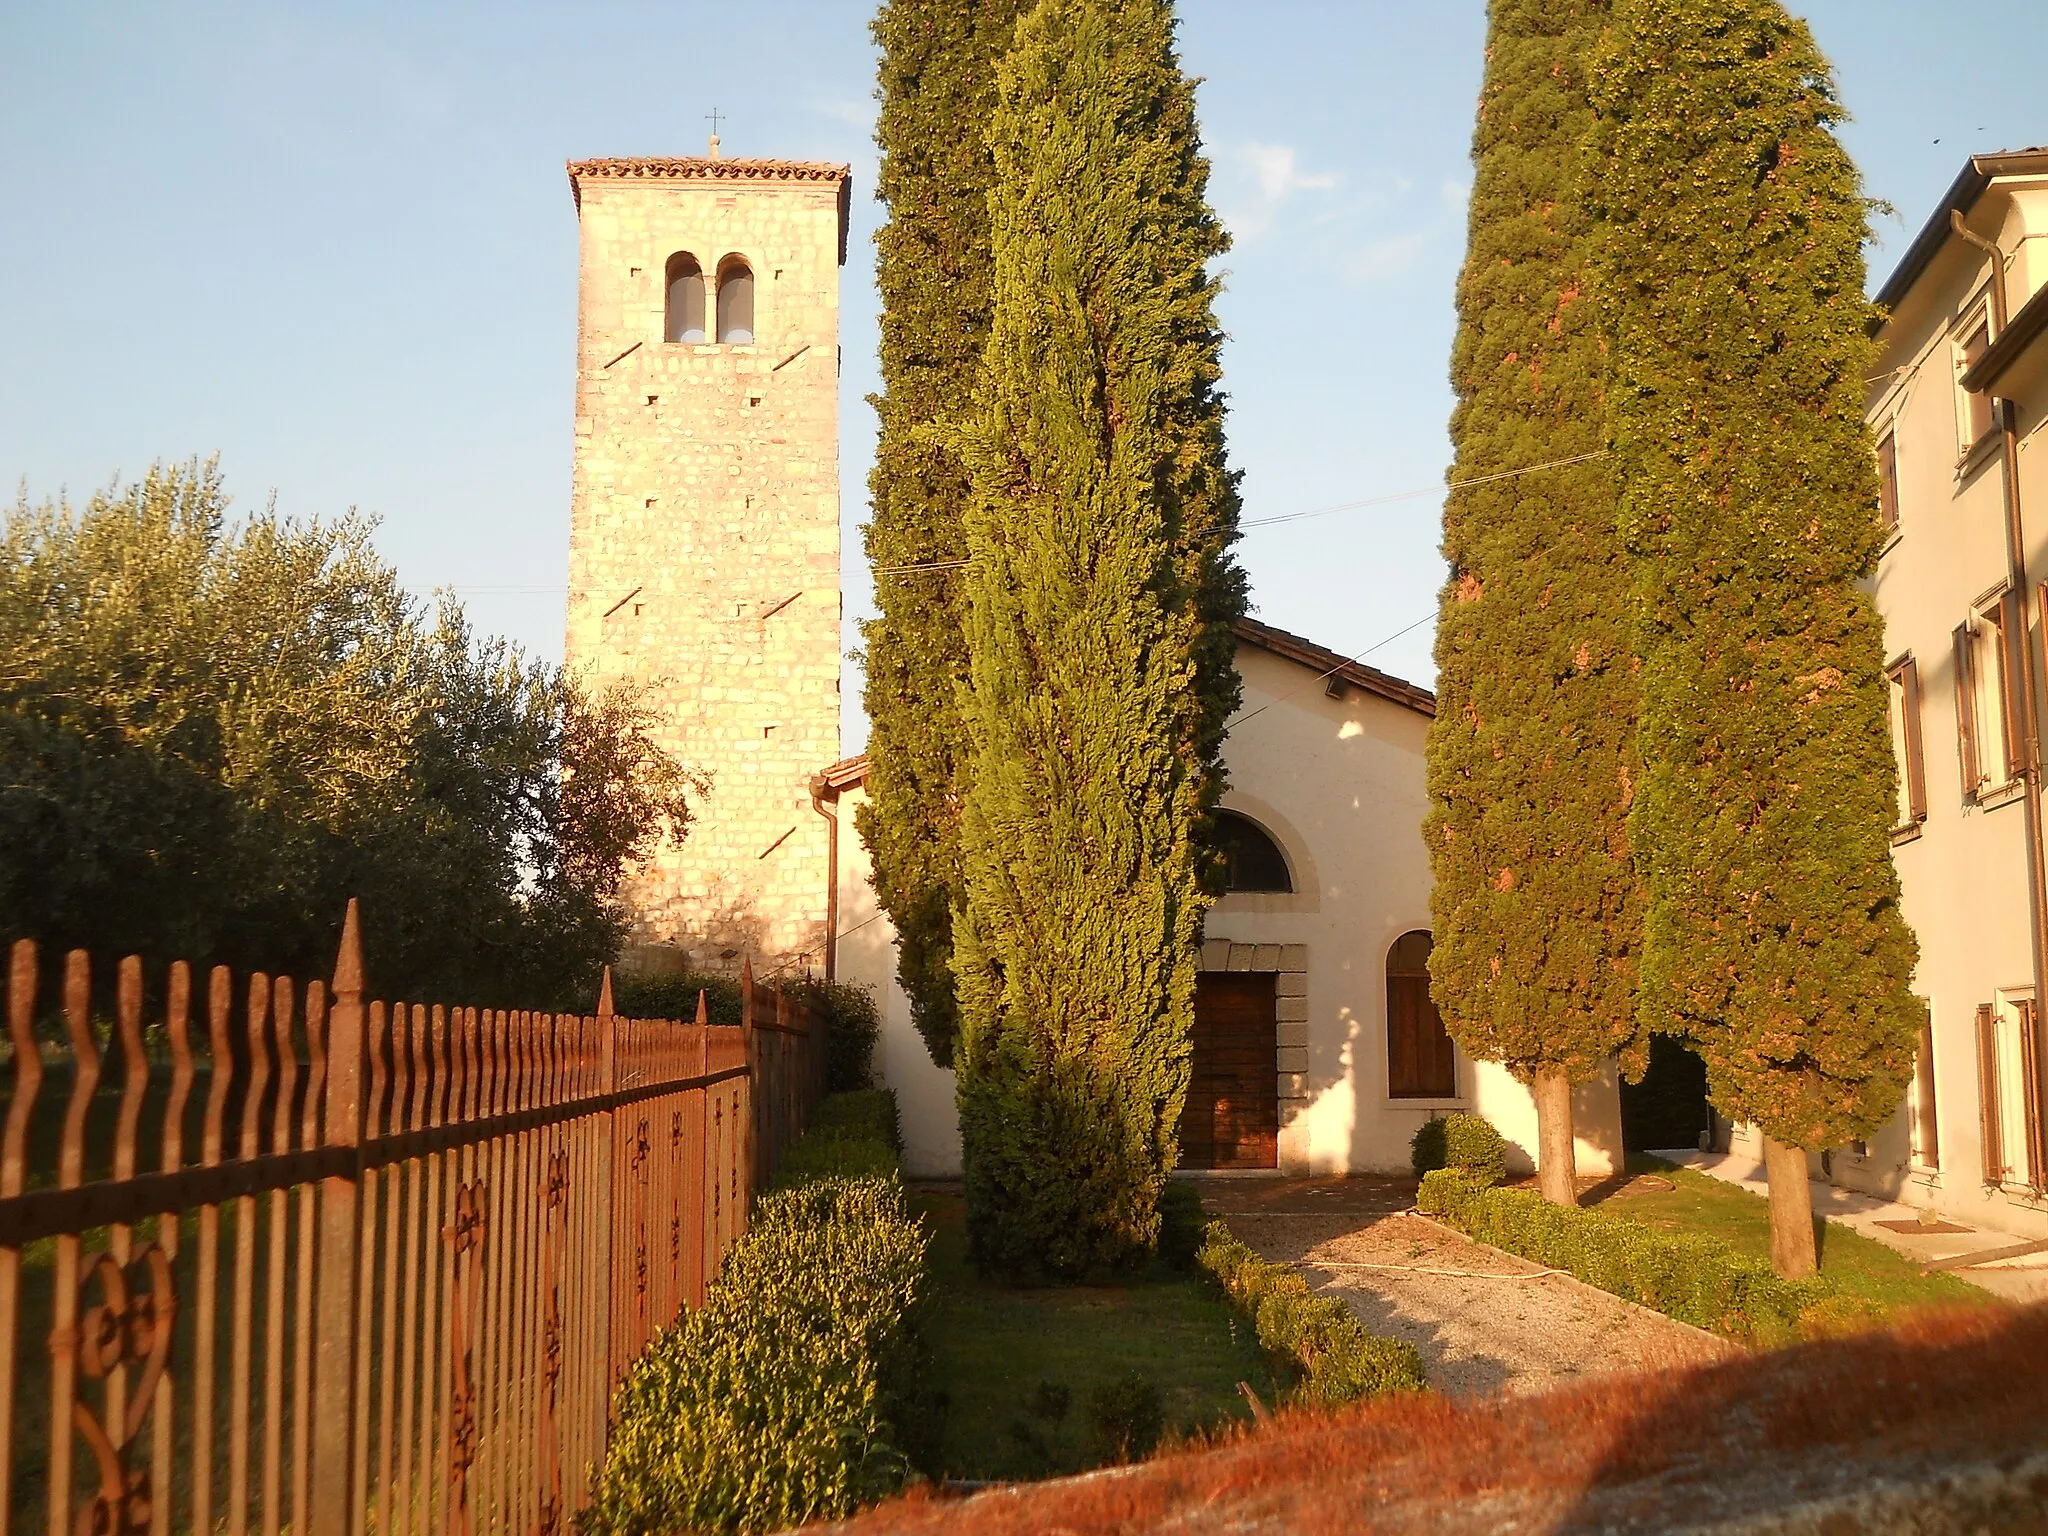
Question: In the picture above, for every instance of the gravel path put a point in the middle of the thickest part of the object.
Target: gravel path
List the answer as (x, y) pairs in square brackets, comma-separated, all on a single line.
[(1492, 1333)]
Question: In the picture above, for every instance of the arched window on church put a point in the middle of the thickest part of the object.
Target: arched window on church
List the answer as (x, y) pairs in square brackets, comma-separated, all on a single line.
[(1252, 861), (1420, 1061), (685, 320), (735, 300)]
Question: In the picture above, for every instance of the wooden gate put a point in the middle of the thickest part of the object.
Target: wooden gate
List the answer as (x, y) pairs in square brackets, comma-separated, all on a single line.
[(1232, 1116)]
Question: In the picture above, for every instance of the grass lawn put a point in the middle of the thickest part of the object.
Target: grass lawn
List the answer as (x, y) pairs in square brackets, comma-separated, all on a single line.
[(1704, 1206), (998, 1350)]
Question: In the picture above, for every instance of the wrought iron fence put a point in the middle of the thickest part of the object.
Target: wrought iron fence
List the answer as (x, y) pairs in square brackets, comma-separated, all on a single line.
[(391, 1260)]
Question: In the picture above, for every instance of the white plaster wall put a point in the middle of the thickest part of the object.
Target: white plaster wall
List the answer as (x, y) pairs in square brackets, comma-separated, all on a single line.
[(867, 957), (1339, 783)]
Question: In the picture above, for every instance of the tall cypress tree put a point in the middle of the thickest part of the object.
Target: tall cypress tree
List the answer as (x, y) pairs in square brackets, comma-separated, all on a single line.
[(1532, 761), (1734, 284), (937, 78), (1101, 591)]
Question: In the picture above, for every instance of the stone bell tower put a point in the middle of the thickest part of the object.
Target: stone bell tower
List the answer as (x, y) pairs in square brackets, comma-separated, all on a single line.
[(704, 524)]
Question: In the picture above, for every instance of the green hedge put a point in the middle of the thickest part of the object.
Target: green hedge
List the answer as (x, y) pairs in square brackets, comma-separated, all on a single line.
[(797, 1391), (1461, 1141), (851, 1135), (1694, 1279), (1338, 1360)]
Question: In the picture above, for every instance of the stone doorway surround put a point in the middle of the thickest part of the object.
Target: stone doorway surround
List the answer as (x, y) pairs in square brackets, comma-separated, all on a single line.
[(1289, 963)]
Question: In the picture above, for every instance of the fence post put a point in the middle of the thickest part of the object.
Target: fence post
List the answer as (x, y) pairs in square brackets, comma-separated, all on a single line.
[(607, 1192), (750, 1041), (334, 1408)]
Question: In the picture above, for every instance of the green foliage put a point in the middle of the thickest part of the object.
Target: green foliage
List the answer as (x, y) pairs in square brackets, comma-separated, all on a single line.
[(797, 1391), (1337, 1359), (932, 265), (1127, 1416), (1182, 1224), (852, 1022), (1733, 285), (212, 734), (850, 1134), (1465, 1142), (1694, 1279), (1532, 760), (1101, 592), (643, 996)]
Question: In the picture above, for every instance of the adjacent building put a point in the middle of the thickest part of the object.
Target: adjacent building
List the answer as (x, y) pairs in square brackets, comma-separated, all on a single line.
[(1956, 408)]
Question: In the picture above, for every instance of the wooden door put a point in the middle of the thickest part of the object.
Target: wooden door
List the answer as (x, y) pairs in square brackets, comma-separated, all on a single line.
[(1232, 1116)]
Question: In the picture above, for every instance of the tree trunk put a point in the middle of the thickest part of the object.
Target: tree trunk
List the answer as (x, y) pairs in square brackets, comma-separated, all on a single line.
[(1557, 1173), (1793, 1254)]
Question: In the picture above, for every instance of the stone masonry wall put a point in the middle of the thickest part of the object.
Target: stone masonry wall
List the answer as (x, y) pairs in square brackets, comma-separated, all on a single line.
[(704, 542)]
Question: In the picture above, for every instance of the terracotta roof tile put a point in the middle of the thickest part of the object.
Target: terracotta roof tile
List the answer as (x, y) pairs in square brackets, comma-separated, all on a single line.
[(1330, 664)]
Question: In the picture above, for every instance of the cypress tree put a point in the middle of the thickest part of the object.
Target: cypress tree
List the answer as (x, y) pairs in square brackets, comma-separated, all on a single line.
[(1735, 289), (937, 86), (1532, 761), (1100, 594)]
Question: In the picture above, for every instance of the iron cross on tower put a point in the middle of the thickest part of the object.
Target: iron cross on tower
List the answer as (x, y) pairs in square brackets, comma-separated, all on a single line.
[(713, 117)]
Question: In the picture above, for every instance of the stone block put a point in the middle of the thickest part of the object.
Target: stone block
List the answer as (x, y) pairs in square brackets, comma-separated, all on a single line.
[(1240, 957), (1293, 1032), (1293, 1060), (1293, 957), (1291, 1010), (1266, 957), (1293, 1085), (1291, 984), (1216, 954)]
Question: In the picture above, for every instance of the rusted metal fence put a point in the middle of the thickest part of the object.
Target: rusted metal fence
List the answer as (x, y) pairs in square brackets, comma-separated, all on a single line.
[(391, 1260)]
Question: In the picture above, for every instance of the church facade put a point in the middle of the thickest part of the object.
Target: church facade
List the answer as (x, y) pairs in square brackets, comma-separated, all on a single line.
[(704, 569)]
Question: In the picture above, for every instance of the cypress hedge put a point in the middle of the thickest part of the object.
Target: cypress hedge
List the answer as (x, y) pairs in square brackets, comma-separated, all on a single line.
[(1734, 288), (1532, 758), (1100, 595), (937, 85)]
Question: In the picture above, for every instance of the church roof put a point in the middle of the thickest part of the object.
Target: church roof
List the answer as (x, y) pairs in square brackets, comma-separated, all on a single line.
[(1329, 664), (850, 772), (715, 168)]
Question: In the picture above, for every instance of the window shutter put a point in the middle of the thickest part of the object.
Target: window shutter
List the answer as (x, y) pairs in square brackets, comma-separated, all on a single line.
[(1987, 1094), (1927, 1133), (1916, 757), (1888, 483), (1966, 714), (2030, 1097), (2012, 680)]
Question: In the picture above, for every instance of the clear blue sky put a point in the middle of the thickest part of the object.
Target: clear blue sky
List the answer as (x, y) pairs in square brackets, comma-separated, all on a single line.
[(335, 246)]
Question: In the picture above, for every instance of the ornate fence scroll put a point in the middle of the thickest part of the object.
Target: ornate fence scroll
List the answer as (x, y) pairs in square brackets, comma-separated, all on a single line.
[(281, 1257)]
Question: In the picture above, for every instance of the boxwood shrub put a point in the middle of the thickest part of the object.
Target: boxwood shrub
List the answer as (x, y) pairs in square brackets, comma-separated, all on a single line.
[(1694, 1279), (1461, 1141), (1334, 1356), (796, 1392)]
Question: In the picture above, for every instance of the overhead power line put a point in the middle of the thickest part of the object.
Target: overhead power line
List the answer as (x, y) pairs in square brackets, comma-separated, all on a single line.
[(1341, 506)]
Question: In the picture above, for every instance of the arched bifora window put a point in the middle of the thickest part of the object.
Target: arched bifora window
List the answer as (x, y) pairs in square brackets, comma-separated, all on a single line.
[(1252, 861), (735, 300), (1420, 1061), (685, 321)]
